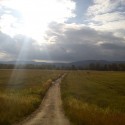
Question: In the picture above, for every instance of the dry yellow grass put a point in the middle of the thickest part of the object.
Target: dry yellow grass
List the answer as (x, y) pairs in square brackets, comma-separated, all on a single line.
[(94, 98), (21, 92)]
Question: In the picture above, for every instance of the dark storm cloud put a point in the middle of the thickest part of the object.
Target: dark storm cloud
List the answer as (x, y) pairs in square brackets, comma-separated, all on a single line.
[(24, 48), (65, 42), (80, 34), (82, 42), (19, 47), (113, 46)]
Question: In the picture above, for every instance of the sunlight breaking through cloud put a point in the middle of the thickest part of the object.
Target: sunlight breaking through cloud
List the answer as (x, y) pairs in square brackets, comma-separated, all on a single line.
[(35, 15), (62, 30)]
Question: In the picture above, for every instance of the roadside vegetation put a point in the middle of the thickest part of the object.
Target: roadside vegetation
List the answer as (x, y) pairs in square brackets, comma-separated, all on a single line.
[(21, 92), (94, 97)]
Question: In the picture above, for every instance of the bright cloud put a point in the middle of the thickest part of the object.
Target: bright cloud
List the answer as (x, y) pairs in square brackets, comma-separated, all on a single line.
[(35, 16), (108, 15), (106, 6)]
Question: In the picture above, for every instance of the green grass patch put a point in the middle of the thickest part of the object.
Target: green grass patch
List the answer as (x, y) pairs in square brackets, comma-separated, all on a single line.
[(94, 98)]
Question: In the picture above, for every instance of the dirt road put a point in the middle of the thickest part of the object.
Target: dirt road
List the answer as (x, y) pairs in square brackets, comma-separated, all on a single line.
[(50, 111)]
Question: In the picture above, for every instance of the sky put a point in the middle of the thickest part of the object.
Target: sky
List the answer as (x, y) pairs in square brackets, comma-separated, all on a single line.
[(62, 30)]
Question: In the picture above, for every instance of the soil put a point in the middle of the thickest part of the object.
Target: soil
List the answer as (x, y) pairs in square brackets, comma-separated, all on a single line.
[(50, 111)]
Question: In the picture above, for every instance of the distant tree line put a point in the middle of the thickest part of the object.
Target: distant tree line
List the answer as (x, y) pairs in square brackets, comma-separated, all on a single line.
[(26, 66), (107, 67), (100, 67), (91, 66)]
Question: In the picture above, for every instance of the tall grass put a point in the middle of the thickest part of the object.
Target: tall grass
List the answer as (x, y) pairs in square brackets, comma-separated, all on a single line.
[(94, 98), (21, 92)]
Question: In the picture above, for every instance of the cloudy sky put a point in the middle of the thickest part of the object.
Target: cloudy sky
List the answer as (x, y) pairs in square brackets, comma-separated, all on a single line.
[(62, 30)]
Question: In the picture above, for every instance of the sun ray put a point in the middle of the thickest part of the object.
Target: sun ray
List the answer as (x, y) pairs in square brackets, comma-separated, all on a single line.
[(35, 15)]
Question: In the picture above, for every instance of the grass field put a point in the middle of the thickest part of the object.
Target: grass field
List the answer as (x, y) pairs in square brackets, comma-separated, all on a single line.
[(94, 97), (21, 92)]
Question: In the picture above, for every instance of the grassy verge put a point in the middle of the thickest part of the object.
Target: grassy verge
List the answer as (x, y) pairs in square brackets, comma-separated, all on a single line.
[(21, 92), (94, 98)]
